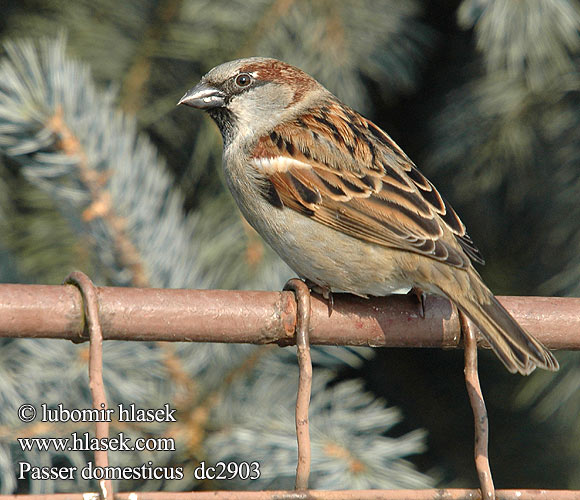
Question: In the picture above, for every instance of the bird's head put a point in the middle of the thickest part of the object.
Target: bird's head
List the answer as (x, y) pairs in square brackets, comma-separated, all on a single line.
[(249, 96)]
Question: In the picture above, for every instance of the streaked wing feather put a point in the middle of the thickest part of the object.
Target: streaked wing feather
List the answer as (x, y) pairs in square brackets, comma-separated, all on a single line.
[(361, 183)]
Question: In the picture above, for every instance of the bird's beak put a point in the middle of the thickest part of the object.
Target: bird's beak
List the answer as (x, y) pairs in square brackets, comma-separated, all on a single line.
[(203, 96)]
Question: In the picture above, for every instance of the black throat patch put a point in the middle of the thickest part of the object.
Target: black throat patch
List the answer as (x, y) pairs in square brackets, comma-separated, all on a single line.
[(225, 121)]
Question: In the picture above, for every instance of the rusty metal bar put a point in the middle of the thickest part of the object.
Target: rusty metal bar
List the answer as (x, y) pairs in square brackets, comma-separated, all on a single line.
[(97, 387), (431, 494), (303, 303), (481, 423), (50, 311)]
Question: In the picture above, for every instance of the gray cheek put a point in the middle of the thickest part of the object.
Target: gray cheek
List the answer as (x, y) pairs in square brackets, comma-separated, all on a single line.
[(260, 109)]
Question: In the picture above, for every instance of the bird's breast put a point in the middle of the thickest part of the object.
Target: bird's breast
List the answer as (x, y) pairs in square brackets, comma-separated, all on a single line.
[(314, 251)]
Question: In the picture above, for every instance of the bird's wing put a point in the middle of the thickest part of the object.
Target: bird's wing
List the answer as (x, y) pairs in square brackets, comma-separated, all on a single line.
[(340, 169)]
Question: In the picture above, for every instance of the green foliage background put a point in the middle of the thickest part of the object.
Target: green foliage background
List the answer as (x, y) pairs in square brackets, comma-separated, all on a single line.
[(484, 95)]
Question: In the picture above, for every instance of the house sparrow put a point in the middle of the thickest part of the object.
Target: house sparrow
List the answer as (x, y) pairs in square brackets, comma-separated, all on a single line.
[(341, 203)]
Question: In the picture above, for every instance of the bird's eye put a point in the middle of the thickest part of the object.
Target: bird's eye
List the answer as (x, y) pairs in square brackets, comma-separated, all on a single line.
[(243, 80)]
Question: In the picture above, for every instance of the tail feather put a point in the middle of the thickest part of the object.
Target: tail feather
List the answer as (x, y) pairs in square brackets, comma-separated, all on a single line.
[(517, 349)]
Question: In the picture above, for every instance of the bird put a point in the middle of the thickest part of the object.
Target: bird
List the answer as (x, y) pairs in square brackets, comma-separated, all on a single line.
[(342, 204)]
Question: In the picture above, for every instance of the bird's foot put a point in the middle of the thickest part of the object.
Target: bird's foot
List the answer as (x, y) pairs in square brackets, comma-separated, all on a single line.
[(421, 297), (326, 293)]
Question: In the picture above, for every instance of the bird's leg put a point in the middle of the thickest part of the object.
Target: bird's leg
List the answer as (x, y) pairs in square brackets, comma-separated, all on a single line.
[(326, 293), (421, 297)]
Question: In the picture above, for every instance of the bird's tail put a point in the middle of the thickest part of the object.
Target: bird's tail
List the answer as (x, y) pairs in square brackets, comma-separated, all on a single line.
[(517, 349)]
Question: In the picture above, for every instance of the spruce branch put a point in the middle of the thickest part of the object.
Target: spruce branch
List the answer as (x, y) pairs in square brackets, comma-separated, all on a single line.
[(533, 40), (38, 245), (344, 455), (101, 204), (100, 169)]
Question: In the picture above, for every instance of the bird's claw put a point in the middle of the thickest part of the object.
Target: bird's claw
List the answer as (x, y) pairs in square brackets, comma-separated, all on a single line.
[(421, 297), (326, 293)]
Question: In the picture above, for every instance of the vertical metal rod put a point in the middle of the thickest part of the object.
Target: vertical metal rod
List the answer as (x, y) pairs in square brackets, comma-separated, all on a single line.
[(304, 382), (97, 387), (479, 411)]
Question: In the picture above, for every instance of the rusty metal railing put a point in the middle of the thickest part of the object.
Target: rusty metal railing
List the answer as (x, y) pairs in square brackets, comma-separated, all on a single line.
[(53, 311), (84, 312)]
